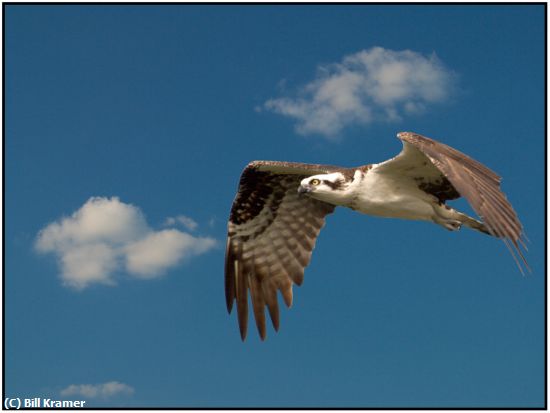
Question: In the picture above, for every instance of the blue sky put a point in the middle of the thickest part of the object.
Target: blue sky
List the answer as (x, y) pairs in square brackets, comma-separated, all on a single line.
[(126, 130)]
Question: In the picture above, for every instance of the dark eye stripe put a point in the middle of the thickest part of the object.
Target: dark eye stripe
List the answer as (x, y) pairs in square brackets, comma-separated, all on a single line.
[(333, 185)]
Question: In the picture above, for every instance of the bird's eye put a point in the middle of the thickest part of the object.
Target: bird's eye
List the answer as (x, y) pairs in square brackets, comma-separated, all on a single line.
[(314, 182)]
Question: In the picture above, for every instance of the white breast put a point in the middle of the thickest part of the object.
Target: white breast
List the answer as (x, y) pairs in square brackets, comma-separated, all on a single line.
[(389, 195)]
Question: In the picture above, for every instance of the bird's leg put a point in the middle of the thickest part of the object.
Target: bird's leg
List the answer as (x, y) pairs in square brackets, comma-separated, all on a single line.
[(446, 216), (453, 220), (447, 223)]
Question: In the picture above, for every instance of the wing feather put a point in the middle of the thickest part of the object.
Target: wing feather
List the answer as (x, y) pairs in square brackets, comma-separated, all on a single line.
[(270, 294), (258, 303), (272, 231), (479, 185)]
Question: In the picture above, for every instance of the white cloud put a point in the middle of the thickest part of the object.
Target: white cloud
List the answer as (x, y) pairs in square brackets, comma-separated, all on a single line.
[(105, 235), (84, 264), (97, 391), (186, 221), (98, 220), (372, 85), (151, 255)]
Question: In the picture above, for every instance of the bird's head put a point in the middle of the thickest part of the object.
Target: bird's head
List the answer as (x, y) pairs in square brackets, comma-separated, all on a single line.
[(326, 187)]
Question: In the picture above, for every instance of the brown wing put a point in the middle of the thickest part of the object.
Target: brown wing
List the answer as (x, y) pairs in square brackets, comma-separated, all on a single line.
[(479, 185), (271, 234)]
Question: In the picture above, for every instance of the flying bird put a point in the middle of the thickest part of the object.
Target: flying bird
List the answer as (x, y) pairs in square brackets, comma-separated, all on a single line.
[(280, 207)]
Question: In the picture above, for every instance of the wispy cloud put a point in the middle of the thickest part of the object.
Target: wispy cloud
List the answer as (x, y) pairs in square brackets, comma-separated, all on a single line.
[(106, 235), (186, 221), (371, 85), (97, 391)]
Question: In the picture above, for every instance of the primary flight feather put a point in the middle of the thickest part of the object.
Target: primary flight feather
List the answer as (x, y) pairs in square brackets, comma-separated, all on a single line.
[(280, 208)]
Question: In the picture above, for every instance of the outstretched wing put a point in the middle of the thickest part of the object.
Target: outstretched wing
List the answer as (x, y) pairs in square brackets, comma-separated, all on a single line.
[(449, 174), (271, 234)]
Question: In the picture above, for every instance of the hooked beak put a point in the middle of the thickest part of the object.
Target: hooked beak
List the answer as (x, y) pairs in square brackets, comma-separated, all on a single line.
[(304, 189)]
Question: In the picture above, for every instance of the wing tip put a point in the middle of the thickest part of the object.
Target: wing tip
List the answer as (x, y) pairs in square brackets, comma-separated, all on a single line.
[(243, 321), (229, 304), (517, 252), (229, 276), (243, 334)]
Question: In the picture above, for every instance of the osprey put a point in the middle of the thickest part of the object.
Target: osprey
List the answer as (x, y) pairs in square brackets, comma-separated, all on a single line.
[(280, 208)]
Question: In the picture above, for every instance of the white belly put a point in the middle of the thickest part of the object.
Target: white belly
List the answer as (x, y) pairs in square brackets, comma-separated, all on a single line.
[(391, 197)]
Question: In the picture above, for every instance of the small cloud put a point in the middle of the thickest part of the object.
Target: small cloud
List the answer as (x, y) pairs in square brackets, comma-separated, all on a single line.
[(106, 235), (153, 254), (97, 391), (371, 85), (187, 222)]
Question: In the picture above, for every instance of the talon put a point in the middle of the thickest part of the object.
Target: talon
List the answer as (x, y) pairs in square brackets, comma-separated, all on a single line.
[(453, 225)]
